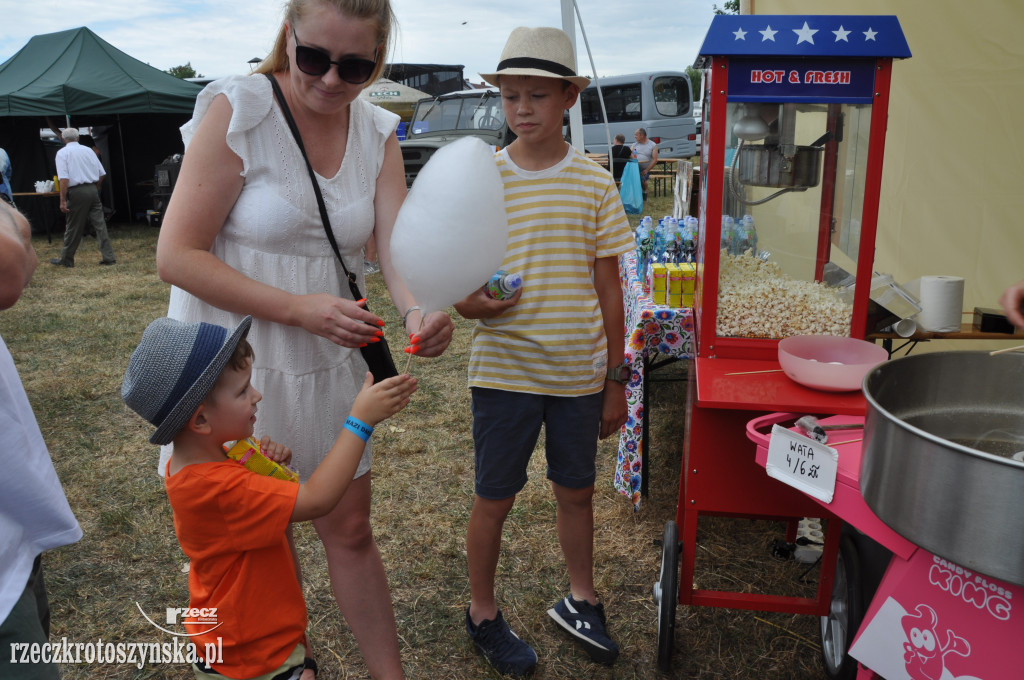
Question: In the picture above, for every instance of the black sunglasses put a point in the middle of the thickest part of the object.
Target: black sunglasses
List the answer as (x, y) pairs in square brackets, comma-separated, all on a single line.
[(314, 62)]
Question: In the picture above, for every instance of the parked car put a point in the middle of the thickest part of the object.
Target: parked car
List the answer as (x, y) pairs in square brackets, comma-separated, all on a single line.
[(698, 116), (658, 101), (437, 121)]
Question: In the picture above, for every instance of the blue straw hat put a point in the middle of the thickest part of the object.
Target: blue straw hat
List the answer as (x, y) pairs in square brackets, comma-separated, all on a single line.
[(173, 369)]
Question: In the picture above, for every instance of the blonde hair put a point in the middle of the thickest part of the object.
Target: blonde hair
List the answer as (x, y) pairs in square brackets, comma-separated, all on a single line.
[(377, 11)]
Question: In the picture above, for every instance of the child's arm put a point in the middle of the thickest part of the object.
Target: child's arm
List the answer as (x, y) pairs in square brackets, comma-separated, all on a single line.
[(328, 483), (477, 305), (609, 296)]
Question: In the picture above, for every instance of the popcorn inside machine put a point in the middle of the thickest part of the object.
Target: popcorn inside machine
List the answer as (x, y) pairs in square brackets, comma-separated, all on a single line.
[(795, 111)]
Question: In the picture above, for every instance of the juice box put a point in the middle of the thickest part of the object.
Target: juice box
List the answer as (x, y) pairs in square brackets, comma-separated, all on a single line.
[(247, 453)]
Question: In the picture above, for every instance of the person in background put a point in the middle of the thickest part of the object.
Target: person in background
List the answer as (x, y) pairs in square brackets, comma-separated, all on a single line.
[(80, 174), (527, 371), (192, 381), (34, 513), (6, 193), (242, 235), (646, 153), (1012, 301), (620, 156), (370, 257)]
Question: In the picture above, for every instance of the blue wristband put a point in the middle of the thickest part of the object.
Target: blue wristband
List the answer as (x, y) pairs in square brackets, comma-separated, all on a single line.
[(358, 428)]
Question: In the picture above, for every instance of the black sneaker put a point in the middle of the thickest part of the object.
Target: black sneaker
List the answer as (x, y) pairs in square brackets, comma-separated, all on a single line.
[(501, 647), (586, 623)]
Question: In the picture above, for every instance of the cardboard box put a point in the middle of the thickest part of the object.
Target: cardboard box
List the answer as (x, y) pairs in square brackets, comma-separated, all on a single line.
[(990, 320), (659, 283)]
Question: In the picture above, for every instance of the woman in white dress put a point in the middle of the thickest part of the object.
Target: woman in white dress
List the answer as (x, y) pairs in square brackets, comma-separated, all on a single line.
[(243, 235)]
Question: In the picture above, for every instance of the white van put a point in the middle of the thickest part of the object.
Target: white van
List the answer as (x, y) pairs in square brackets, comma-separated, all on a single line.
[(659, 101)]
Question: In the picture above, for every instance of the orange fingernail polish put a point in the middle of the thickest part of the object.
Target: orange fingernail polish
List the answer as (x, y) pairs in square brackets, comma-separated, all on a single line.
[(381, 323), (360, 301), (375, 340), (363, 345), (380, 334), (415, 339)]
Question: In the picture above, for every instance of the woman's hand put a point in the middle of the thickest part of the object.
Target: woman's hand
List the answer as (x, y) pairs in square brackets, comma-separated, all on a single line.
[(1012, 301), (341, 321), (432, 337)]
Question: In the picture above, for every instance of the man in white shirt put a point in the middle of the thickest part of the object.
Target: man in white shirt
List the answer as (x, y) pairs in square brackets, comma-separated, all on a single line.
[(646, 152), (80, 173), (6, 193)]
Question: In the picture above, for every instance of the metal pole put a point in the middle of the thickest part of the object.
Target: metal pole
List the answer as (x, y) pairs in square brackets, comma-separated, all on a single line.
[(575, 113), (124, 170)]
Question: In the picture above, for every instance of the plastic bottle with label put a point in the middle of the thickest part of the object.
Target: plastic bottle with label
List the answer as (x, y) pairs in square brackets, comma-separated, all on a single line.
[(503, 285), (643, 245), (728, 233), (672, 251), (750, 233), (688, 238)]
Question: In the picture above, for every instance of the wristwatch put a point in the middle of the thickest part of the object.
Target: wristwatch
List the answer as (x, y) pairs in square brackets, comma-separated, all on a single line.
[(619, 374)]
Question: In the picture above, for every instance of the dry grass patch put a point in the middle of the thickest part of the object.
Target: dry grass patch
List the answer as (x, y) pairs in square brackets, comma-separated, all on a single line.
[(71, 336)]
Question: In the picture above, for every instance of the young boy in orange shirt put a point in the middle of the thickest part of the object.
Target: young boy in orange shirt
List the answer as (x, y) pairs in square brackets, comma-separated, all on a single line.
[(191, 380)]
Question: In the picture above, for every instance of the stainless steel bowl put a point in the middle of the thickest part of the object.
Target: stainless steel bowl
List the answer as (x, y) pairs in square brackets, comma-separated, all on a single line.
[(938, 464)]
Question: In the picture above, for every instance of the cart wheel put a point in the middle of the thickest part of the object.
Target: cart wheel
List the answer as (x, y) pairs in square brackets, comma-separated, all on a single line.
[(666, 595), (845, 614)]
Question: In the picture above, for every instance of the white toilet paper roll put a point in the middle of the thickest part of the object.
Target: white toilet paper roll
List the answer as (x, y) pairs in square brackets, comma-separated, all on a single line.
[(942, 303)]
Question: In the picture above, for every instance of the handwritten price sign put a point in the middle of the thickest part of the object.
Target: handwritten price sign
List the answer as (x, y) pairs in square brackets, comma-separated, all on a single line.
[(802, 463)]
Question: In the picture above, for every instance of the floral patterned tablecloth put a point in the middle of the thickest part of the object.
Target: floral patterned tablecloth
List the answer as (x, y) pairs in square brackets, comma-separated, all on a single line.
[(650, 329)]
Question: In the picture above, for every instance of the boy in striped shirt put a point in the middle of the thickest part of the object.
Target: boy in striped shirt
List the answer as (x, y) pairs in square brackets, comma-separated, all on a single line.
[(552, 354)]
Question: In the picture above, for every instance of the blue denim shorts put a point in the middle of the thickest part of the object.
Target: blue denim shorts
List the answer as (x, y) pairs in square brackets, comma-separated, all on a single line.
[(505, 430)]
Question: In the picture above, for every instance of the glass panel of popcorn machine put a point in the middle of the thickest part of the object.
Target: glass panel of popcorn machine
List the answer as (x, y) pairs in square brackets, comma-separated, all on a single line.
[(793, 195)]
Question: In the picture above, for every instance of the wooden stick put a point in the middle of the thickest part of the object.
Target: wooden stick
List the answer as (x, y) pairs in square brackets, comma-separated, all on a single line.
[(770, 370), (1004, 351), (848, 441), (409, 362)]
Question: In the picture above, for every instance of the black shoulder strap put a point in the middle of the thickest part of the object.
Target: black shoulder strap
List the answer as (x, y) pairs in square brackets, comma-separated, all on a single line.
[(316, 185)]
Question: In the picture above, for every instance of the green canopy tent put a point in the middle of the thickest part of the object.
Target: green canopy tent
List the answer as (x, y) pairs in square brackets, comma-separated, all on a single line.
[(76, 78)]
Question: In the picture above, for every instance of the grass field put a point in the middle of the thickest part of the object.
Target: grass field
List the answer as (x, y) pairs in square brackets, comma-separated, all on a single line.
[(71, 335)]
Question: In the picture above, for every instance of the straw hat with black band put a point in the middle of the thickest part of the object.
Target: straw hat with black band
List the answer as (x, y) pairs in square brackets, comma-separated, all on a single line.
[(545, 52)]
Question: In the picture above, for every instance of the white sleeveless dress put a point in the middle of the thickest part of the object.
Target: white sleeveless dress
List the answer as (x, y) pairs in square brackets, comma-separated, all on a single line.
[(274, 235)]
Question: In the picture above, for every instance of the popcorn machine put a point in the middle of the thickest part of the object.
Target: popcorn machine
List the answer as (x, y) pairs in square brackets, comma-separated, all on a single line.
[(795, 111)]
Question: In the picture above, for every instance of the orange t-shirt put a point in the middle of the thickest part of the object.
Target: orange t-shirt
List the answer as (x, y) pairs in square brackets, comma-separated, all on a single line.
[(231, 523)]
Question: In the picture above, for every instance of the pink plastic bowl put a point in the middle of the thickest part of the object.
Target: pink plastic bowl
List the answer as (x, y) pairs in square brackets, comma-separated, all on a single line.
[(829, 362)]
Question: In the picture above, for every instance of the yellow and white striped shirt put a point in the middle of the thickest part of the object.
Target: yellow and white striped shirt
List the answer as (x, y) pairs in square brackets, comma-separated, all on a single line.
[(561, 220)]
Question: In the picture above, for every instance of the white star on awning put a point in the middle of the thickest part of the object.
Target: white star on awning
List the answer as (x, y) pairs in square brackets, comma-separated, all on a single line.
[(768, 34), (869, 34), (841, 34), (805, 34), (740, 34)]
